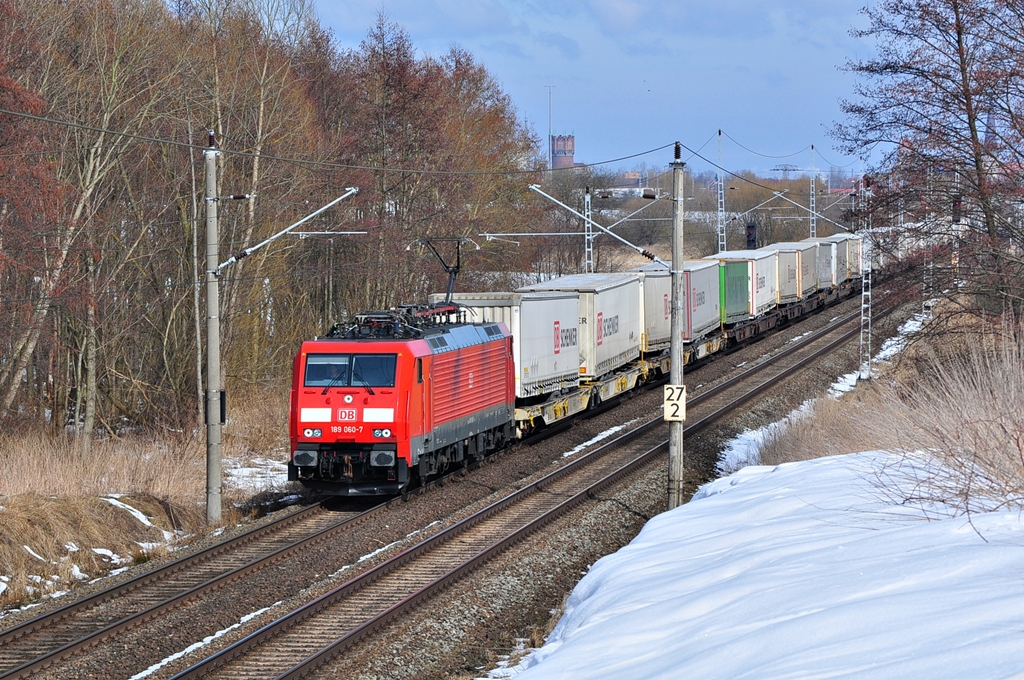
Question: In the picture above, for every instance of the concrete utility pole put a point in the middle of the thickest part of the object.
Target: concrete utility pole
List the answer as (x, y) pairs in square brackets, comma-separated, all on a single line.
[(215, 411), (213, 384), (675, 391)]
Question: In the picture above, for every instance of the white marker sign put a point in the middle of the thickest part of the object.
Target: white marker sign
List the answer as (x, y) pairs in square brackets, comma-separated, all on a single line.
[(675, 402)]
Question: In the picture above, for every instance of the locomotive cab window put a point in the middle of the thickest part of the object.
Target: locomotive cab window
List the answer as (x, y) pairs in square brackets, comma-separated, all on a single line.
[(350, 370), (374, 370)]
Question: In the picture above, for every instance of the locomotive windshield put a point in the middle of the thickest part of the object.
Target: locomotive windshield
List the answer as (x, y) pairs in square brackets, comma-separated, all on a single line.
[(350, 370)]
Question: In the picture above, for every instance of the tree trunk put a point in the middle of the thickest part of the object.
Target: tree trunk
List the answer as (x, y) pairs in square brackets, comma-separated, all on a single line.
[(89, 424)]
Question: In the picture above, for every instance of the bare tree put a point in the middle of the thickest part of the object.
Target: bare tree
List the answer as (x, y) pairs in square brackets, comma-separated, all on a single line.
[(101, 322), (113, 83), (942, 99)]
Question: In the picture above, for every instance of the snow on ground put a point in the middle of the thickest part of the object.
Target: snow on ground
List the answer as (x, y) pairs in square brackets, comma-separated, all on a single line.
[(139, 515), (822, 568), (199, 645), (255, 475), (597, 438), (378, 551), (805, 570)]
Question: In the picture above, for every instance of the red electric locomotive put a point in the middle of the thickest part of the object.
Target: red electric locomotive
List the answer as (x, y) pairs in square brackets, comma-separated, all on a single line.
[(398, 395)]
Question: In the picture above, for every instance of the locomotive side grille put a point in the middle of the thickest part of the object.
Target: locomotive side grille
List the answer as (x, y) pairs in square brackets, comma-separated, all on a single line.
[(474, 379)]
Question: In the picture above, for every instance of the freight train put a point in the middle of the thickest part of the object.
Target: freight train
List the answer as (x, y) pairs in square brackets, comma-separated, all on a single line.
[(402, 395)]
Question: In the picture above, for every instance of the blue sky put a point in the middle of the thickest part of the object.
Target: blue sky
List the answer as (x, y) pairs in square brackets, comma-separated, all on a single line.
[(631, 76)]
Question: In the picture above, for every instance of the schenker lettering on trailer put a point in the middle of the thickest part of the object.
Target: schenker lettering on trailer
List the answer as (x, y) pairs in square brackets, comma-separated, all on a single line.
[(606, 327), (564, 337), (759, 282)]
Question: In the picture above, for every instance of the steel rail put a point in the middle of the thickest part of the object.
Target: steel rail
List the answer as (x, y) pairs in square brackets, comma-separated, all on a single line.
[(707, 420), (255, 534), (318, 659), (159, 573), (797, 345), (101, 633)]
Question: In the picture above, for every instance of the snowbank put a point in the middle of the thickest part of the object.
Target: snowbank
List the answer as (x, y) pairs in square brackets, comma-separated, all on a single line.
[(809, 569)]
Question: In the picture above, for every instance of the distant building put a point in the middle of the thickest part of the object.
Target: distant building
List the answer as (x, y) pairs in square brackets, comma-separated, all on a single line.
[(563, 147)]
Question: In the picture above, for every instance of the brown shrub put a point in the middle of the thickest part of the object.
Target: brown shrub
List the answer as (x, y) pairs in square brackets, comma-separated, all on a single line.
[(857, 421), (957, 401)]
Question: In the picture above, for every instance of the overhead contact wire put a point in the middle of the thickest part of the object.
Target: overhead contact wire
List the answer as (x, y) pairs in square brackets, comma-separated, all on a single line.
[(323, 164)]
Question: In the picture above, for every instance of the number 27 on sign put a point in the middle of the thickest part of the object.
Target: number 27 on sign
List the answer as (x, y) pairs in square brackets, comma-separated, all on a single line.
[(675, 402)]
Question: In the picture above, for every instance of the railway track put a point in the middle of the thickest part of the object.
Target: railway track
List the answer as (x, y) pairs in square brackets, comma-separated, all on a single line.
[(296, 644), (39, 642)]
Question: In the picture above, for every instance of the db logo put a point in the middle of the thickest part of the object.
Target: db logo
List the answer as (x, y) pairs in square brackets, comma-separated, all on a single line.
[(600, 328), (558, 338)]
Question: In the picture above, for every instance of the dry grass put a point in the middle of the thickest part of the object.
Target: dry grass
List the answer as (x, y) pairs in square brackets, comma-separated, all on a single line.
[(51, 499), (46, 538), (858, 421), (258, 425), (173, 469), (51, 492), (956, 397)]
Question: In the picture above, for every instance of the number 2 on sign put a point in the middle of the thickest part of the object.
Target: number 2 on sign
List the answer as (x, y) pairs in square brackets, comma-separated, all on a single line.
[(675, 402)]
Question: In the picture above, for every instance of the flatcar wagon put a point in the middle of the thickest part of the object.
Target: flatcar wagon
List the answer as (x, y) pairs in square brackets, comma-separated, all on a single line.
[(398, 395)]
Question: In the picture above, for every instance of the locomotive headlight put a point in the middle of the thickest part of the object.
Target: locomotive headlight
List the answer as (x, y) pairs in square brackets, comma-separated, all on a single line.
[(382, 433), (312, 432)]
